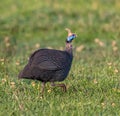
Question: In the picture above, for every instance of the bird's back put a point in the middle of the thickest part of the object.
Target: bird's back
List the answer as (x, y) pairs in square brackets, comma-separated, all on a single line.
[(47, 65)]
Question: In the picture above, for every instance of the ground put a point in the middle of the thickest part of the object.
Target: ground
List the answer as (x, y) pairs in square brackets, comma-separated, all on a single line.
[(93, 84)]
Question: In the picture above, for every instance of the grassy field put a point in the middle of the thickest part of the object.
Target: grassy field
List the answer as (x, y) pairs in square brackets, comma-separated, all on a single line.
[(93, 84)]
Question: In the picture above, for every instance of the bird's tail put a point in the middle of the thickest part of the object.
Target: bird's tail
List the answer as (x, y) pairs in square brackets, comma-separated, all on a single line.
[(25, 73)]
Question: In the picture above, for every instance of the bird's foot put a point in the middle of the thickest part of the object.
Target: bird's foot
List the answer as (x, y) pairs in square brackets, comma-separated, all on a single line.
[(42, 88), (63, 86)]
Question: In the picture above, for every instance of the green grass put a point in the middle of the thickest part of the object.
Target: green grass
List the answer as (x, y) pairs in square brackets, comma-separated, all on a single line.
[(93, 84)]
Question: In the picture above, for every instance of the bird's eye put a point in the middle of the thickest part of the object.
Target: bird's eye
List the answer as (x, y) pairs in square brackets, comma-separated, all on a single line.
[(74, 35)]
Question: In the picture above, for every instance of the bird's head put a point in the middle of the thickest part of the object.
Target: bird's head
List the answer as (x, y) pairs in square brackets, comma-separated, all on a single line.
[(71, 36)]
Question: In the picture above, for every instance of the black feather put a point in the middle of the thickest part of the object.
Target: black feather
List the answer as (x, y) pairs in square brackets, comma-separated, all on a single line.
[(47, 65)]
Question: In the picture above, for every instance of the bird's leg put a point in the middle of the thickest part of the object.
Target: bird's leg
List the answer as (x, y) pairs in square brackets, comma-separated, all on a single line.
[(60, 85), (42, 87)]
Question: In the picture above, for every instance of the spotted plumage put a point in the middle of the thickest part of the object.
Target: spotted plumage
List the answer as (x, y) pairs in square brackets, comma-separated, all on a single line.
[(49, 65)]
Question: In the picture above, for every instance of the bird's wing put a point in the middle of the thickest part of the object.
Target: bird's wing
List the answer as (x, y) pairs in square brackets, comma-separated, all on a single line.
[(47, 65), (49, 59), (40, 59)]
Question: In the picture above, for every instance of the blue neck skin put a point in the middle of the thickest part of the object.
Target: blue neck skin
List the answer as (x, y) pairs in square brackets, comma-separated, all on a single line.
[(70, 38)]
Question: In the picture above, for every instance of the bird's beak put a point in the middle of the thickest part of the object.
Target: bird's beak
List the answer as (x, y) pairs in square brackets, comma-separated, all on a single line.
[(75, 35)]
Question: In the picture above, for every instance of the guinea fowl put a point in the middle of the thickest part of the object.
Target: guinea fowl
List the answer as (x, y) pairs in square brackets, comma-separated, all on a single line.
[(49, 65)]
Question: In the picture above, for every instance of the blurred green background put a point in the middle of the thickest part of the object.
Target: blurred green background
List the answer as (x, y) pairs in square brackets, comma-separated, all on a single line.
[(43, 21), (93, 83)]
